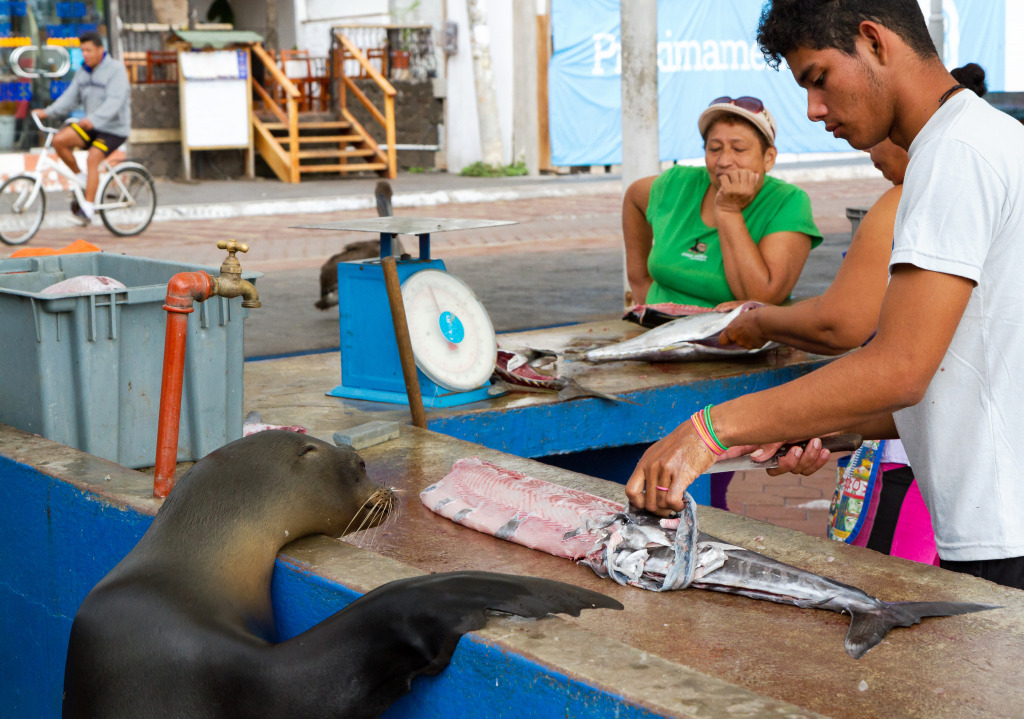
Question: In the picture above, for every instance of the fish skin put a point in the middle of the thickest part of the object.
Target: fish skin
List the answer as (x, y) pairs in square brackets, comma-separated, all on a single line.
[(515, 372), (687, 338), (757, 576), (626, 546)]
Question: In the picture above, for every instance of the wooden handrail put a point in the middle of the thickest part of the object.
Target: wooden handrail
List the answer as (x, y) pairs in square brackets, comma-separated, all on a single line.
[(275, 72), (270, 102), (358, 55), (361, 96)]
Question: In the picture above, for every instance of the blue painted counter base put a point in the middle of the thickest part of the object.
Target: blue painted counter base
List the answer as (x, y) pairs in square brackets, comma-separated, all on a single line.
[(58, 541)]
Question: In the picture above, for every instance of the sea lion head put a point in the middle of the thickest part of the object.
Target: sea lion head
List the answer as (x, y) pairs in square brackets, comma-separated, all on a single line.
[(287, 481)]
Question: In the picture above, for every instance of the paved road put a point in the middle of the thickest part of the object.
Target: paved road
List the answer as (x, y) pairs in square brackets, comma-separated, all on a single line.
[(561, 263)]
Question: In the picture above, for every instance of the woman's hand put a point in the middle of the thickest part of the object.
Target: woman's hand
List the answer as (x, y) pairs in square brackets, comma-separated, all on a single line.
[(737, 189)]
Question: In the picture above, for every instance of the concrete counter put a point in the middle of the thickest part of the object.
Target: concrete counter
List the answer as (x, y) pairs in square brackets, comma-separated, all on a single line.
[(70, 517)]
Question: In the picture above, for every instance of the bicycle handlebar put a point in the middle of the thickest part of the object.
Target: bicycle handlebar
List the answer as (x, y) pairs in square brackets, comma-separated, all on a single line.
[(41, 126)]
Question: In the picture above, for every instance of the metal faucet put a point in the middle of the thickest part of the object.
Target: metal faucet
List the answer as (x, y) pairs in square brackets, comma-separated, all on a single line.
[(230, 282)]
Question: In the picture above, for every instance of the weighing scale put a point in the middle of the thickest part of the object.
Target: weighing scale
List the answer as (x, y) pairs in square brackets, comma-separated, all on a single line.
[(452, 336)]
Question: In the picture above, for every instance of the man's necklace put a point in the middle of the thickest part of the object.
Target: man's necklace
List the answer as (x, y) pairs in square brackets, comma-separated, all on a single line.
[(948, 93)]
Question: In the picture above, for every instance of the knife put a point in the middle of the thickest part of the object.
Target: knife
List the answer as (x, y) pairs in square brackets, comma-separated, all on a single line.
[(834, 443)]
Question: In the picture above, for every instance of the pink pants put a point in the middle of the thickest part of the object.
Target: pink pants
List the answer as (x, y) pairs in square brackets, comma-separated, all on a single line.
[(913, 538)]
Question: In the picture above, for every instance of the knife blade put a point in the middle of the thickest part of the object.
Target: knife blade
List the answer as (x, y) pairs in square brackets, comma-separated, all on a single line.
[(834, 443)]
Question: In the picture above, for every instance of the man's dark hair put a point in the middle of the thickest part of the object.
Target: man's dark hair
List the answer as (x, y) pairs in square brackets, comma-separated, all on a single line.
[(91, 36), (826, 24)]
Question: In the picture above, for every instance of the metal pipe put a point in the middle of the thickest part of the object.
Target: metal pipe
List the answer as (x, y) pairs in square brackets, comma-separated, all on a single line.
[(412, 382), (183, 289)]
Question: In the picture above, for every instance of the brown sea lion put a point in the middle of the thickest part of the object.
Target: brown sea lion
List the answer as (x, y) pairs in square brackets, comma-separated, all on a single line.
[(183, 626)]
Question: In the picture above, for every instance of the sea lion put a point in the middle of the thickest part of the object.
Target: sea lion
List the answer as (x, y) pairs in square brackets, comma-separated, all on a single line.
[(183, 626), (362, 250)]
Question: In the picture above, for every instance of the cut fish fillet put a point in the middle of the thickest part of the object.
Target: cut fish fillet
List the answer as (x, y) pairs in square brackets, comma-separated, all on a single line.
[(521, 509)]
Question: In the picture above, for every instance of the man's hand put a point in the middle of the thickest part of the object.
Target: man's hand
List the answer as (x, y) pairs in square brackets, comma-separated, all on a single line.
[(738, 189), (805, 461), (744, 331), (670, 464), (85, 123), (41, 114)]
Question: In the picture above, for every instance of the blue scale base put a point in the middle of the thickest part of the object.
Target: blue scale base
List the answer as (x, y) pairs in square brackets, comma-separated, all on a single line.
[(453, 399)]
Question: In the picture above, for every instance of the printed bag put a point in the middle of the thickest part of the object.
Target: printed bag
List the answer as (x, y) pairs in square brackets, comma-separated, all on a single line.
[(855, 483)]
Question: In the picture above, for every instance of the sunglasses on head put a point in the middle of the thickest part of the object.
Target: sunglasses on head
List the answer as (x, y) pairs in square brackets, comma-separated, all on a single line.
[(750, 104)]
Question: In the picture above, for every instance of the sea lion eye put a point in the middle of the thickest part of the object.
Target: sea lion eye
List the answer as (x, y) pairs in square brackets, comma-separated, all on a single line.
[(307, 448)]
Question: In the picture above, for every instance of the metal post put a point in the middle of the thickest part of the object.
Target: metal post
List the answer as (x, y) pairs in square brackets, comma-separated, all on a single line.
[(639, 37), (935, 28)]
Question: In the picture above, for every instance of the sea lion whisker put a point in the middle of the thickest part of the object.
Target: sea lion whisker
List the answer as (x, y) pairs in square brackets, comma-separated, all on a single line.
[(372, 499)]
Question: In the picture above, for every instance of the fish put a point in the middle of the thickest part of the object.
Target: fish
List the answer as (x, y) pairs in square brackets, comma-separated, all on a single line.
[(692, 337), (658, 314), (656, 553), (516, 372)]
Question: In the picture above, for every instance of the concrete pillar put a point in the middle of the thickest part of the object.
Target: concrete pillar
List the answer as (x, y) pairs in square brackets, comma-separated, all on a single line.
[(639, 35), (483, 76), (525, 136), (935, 27), (270, 41)]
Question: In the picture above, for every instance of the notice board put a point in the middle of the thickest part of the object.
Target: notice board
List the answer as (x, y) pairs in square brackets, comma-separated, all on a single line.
[(216, 95)]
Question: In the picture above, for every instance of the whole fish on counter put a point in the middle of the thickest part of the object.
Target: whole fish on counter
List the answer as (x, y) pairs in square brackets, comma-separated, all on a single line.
[(517, 372), (656, 553), (693, 337)]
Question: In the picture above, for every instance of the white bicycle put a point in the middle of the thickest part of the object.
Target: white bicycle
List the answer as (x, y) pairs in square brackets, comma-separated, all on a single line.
[(125, 200)]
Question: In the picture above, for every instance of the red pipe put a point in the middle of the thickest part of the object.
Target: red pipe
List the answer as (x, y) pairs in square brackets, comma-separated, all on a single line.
[(183, 289)]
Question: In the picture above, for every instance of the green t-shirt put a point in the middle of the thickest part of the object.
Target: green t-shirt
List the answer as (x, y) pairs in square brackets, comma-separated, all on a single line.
[(686, 257)]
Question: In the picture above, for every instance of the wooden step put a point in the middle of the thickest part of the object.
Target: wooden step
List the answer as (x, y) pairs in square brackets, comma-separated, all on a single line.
[(351, 167), (361, 152), (318, 139), (320, 125)]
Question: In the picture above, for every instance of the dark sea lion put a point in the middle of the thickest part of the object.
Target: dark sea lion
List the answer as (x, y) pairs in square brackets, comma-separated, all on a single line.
[(183, 626)]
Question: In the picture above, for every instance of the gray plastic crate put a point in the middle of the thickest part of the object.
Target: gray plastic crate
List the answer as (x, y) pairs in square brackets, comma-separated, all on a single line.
[(855, 215), (85, 370)]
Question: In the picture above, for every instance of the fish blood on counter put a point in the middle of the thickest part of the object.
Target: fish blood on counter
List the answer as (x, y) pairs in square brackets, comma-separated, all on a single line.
[(649, 552)]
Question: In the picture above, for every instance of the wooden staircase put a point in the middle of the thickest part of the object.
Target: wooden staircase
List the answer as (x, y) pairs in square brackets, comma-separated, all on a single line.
[(294, 144)]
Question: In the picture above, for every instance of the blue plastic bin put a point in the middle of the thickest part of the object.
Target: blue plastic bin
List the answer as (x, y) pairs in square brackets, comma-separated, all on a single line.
[(85, 370)]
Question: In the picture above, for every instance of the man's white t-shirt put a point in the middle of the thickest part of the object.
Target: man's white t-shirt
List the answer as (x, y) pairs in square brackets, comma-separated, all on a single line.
[(962, 213)]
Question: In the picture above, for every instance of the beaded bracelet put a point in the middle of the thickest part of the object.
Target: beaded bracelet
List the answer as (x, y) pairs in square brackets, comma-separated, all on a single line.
[(701, 420)]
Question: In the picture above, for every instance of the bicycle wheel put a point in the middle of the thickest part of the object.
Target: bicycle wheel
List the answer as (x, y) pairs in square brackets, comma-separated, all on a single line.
[(130, 187), (19, 221)]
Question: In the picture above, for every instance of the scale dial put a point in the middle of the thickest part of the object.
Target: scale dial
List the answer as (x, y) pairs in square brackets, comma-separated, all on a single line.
[(452, 336)]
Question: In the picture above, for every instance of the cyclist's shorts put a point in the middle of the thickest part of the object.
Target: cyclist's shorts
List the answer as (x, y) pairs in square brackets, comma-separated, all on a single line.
[(102, 141)]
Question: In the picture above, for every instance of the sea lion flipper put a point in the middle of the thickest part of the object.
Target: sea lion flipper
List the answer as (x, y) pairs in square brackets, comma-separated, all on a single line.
[(412, 626)]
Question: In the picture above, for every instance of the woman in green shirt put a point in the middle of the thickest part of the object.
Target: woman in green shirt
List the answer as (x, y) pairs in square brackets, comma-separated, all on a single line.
[(727, 231)]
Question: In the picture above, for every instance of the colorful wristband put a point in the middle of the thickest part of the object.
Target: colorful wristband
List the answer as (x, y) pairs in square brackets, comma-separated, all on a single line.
[(701, 421)]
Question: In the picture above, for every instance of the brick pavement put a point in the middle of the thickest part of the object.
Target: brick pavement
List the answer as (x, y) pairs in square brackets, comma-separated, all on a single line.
[(549, 223)]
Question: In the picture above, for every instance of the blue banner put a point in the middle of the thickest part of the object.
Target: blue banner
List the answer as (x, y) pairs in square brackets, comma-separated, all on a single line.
[(706, 49)]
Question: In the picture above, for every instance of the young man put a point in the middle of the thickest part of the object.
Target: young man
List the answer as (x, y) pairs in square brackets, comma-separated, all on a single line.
[(944, 366), (101, 86)]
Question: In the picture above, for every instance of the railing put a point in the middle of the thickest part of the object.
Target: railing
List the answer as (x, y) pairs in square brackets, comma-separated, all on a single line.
[(398, 52), (346, 84), (284, 164)]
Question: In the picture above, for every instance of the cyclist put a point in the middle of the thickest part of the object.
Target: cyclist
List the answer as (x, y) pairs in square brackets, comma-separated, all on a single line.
[(101, 86)]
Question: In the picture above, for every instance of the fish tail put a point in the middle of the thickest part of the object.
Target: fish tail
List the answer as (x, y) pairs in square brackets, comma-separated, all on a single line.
[(868, 628)]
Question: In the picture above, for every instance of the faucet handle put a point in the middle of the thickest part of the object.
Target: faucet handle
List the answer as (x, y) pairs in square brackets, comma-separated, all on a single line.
[(232, 246)]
